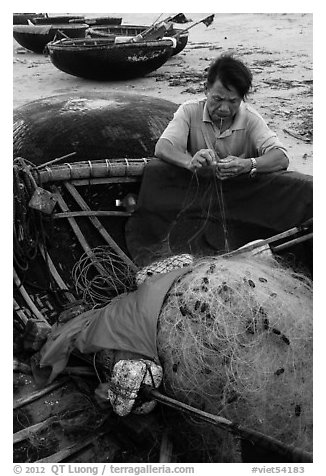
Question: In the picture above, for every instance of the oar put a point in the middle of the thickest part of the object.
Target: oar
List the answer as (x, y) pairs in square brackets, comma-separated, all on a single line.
[(294, 454)]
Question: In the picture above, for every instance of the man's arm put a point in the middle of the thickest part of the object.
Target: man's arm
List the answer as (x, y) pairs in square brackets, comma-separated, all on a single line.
[(166, 151), (272, 161)]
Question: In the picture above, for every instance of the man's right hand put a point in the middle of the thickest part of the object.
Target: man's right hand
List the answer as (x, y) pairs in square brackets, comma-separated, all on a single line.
[(202, 158)]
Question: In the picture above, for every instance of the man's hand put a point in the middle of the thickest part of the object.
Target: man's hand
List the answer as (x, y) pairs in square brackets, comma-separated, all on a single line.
[(232, 166), (202, 158)]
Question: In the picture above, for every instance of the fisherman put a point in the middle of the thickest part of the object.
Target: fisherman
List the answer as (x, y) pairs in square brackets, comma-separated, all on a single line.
[(219, 159), (222, 130)]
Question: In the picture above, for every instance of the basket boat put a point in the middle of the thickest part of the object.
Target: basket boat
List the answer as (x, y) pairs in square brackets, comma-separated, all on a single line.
[(89, 216), (93, 125), (133, 30), (36, 37), (58, 19), (91, 211), (102, 59), (23, 18)]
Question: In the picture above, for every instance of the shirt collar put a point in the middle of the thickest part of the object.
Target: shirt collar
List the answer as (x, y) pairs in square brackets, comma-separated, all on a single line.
[(239, 121)]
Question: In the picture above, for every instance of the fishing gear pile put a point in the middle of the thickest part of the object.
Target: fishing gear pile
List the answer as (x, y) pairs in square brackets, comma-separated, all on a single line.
[(235, 339), (27, 223), (101, 276)]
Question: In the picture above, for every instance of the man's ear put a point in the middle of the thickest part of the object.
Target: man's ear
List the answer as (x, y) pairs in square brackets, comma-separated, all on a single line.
[(206, 88)]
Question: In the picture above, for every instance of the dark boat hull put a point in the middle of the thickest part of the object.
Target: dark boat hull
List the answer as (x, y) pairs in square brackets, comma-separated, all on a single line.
[(102, 60), (34, 39), (94, 125), (23, 18), (58, 19), (133, 30)]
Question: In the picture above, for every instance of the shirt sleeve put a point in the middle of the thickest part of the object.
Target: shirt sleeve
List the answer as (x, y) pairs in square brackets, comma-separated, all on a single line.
[(177, 131), (262, 136)]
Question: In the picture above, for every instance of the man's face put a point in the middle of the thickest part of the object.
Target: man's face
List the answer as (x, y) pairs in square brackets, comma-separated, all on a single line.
[(222, 103)]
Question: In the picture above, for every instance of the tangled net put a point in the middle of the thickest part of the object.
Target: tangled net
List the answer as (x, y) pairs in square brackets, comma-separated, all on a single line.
[(235, 339), (101, 276)]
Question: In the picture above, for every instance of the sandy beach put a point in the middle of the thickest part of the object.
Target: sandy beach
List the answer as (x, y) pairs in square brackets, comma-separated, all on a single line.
[(276, 46)]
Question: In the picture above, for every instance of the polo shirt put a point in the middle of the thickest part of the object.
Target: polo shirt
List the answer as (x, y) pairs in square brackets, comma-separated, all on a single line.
[(248, 136)]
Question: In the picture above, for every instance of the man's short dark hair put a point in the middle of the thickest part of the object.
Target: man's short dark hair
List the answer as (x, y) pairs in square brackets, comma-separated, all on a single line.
[(231, 72)]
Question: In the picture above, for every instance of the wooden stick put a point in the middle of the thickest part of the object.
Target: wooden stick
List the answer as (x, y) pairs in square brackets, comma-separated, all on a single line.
[(264, 441), (98, 225), (267, 241), (80, 371), (119, 170), (88, 213), (20, 312), (105, 180), (56, 276), (27, 432), (290, 243), (70, 450), (55, 160), (20, 402), (79, 234), (27, 298)]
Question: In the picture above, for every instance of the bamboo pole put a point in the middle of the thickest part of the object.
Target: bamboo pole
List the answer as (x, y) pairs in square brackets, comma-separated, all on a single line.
[(56, 276), (54, 161), (20, 402), (94, 213), (104, 180), (295, 455), (290, 243), (280, 236), (98, 225), (20, 312), (27, 298), (70, 450), (78, 233), (118, 170), (27, 432)]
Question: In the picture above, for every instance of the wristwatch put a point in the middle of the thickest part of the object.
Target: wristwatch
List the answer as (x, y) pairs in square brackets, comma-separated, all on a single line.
[(253, 170)]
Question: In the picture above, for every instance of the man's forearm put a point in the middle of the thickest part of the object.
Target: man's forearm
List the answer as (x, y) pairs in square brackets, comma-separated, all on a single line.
[(164, 150), (273, 161)]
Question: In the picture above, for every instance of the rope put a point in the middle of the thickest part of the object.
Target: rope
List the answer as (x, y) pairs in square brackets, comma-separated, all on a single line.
[(117, 277), (28, 226)]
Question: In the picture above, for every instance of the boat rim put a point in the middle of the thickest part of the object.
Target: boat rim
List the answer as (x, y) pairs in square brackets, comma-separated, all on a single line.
[(104, 43)]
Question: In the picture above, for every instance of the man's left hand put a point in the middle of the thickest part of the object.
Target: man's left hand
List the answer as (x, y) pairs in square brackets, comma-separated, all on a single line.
[(232, 166)]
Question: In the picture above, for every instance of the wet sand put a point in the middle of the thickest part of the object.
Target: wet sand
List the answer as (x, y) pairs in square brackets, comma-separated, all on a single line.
[(277, 47)]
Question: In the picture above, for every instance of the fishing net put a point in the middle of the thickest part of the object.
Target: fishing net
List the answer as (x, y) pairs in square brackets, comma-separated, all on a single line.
[(235, 339), (163, 266)]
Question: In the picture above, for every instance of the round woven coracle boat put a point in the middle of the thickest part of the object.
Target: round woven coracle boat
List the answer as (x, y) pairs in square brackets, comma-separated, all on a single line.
[(102, 59), (36, 37), (57, 19), (93, 125)]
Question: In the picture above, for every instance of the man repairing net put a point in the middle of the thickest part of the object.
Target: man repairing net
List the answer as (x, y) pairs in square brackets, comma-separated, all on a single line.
[(221, 176)]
